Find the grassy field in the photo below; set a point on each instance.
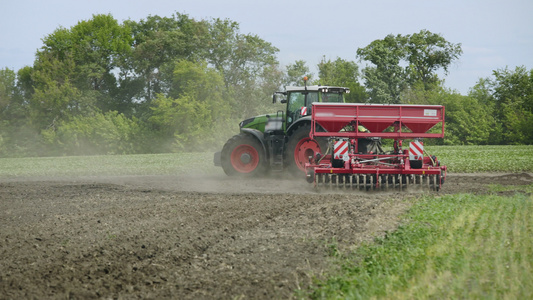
(460, 159)
(471, 159)
(451, 247)
(142, 164)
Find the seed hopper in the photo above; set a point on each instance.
(354, 158)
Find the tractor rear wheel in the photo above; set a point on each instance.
(243, 155)
(300, 147)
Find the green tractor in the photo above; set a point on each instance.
(279, 141)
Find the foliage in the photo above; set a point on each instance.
(342, 73)
(454, 246)
(467, 121)
(108, 133)
(296, 73)
(7, 88)
(401, 61)
(510, 95)
(180, 83)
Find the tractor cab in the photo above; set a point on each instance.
(300, 99)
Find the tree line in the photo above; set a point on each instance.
(167, 84)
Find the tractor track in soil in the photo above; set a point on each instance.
(187, 237)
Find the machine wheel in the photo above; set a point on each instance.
(242, 155)
(300, 147)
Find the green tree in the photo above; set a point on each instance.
(386, 79)
(195, 109)
(510, 93)
(468, 121)
(399, 62)
(96, 49)
(296, 72)
(157, 43)
(342, 73)
(7, 89)
(241, 59)
(238, 56)
(204, 84)
(427, 53)
(55, 97)
(96, 133)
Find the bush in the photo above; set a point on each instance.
(109, 133)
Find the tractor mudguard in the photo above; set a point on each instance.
(259, 136)
(298, 123)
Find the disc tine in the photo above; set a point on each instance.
(399, 181)
(345, 178)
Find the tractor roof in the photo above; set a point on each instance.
(322, 88)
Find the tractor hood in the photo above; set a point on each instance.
(266, 122)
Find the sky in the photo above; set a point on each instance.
(493, 34)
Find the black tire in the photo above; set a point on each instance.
(243, 155)
(300, 139)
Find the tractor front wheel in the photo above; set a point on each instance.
(243, 155)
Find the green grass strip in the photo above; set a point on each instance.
(142, 164)
(449, 247)
(459, 159)
(486, 158)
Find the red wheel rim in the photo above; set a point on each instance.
(244, 158)
(306, 147)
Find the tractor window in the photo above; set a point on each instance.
(332, 97)
(297, 100)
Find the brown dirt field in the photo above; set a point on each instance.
(196, 237)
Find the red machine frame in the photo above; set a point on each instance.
(342, 120)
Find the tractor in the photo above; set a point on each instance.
(279, 141)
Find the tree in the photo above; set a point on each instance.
(7, 89)
(195, 109)
(55, 97)
(158, 42)
(95, 133)
(512, 94)
(426, 53)
(401, 61)
(342, 73)
(95, 48)
(241, 59)
(386, 79)
(296, 72)
(238, 56)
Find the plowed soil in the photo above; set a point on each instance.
(199, 237)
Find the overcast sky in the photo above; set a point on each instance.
(493, 34)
